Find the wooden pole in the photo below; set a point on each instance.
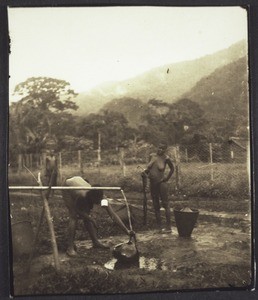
(27, 162)
(60, 166)
(121, 159)
(186, 155)
(45, 211)
(31, 160)
(40, 161)
(19, 163)
(178, 166)
(50, 226)
(42, 188)
(79, 159)
(99, 147)
(232, 154)
(99, 151)
(44, 156)
(145, 206)
(37, 159)
(211, 162)
(80, 165)
(128, 210)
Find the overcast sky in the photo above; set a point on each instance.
(89, 46)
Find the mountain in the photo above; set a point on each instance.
(222, 95)
(168, 82)
(224, 92)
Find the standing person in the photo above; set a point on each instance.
(51, 171)
(155, 171)
(79, 204)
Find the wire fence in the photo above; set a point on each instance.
(206, 160)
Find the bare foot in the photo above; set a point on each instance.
(71, 252)
(166, 230)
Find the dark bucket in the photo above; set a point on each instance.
(126, 252)
(185, 221)
(22, 238)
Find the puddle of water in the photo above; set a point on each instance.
(143, 263)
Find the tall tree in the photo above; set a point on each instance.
(45, 104)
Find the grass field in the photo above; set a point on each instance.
(192, 179)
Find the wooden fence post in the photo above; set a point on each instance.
(121, 159)
(211, 162)
(186, 155)
(60, 166)
(44, 156)
(40, 161)
(79, 159)
(31, 160)
(37, 159)
(27, 162)
(80, 164)
(19, 163)
(99, 151)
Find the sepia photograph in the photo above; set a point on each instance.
(129, 163)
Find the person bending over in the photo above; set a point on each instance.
(79, 204)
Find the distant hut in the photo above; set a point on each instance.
(238, 149)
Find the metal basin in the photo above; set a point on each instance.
(126, 252)
(185, 221)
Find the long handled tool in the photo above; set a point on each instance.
(128, 210)
(144, 185)
(127, 252)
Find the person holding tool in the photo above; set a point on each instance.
(155, 171)
(79, 204)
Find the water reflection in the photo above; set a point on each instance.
(187, 250)
(143, 263)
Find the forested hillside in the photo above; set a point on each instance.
(168, 82)
(223, 95)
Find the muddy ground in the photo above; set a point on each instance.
(217, 256)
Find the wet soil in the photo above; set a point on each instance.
(218, 254)
(214, 257)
